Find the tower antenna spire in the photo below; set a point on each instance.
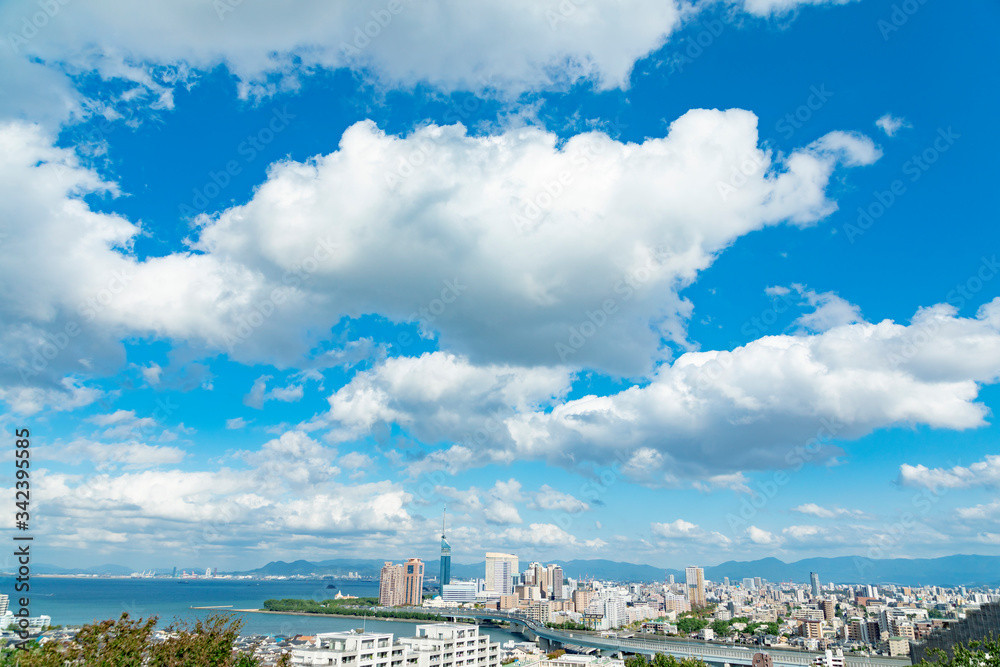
(444, 512)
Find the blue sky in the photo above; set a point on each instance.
(662, 282)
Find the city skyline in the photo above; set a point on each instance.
(665, 281)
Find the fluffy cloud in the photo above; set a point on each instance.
(769, 8)
(772, 403)
(543, 535)
(735, 481)
(288, 492)
(470, 231)
(440, 396)
(296, 458)
(550, 499)
(829, 310)
(802, 532)
(982, 512)
(470, 244)
(761, 536)
(891, 124)
(679, 528)
(128, 455)
(504, 47)
(500, 512)
(813, 509)
(981, 473)
(759, 405)
(685, 531)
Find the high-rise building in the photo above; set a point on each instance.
(500, 571)
(390, 585)
(581, 599)
(694, 578)
(541, 578)
(670, 580)
(413, 582)
(445, 575)
(814, 579)
(557, 582)
(4, 603)
(829, 610)
(459, 591)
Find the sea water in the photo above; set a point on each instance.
(75, 601)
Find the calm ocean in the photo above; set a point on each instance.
(78, 601)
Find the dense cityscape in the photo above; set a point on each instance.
(827, 622)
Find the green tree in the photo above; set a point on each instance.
(721, 628)
(668, 660)
(983, 653)
(128, 643)
(688, 624)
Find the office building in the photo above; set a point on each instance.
(694, 578)
(390, 585)
(500, 571)
(541, 578)
(413, 582)
(459, 592)
(557, 582)
(814, 580)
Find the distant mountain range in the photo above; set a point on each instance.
(959, 570)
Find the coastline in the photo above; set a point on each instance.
(315, 615)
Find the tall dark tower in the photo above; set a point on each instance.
(445, 577)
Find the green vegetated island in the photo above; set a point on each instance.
(346, 607)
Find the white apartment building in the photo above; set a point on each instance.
(451, 645)
(353, 649)
(830, 659)
(436, 645)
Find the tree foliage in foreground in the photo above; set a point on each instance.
(662, 660)
(127, 642)
(982, 653)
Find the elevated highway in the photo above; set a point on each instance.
(710, 652)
